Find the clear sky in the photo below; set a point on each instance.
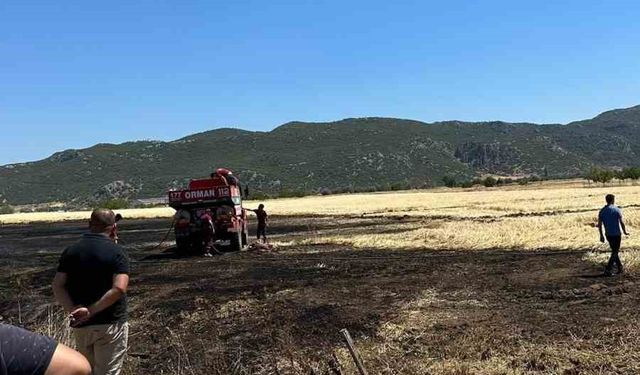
(74, 73)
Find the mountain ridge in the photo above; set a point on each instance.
(344, 155)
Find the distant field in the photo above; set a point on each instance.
(35, 217)
(325, 205)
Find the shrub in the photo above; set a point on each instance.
(6, 209)
(291, 194)
(259, 196)
(466, 184)
(399, 186)
(449, 181)
(632, 173)
(149, 205)
(325, 191)
(489, 182)
(115, 204)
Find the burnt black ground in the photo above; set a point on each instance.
(282, 312)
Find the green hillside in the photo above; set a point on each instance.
(351, 154)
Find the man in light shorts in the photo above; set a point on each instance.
(91, 285)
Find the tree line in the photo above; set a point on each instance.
(603, 175)
(489, 181)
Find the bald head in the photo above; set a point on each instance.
(102, 220)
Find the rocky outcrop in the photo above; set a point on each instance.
(115, 190)
(492, 157)
(67, 155)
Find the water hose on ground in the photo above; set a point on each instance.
(173, 223)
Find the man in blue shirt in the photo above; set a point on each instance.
(611, 217)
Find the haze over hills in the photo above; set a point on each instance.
(349, 154)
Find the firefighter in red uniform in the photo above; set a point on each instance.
(114, 231)
(208, 233)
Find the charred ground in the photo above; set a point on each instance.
(410, 311)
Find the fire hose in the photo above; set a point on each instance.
(173, 223)
(166, 236)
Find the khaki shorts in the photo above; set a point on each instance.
(104, 346)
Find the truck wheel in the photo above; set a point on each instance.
(236, 241)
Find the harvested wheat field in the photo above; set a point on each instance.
(429, 282)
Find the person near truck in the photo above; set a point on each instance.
(610, 217)
(25, 352)
(114, 230)
(208, 233)
(263, 218)
(91, 285)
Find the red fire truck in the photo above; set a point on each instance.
(221, 196)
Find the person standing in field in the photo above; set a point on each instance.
(24, 352)
(262, 216)
(114, 230)
(610, 217)
(91, 285)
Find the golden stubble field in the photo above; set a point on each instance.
(555, 215)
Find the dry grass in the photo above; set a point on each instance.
(553, 217)
(35, 217)
(458, 203)
(551, 197)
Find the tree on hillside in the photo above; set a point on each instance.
(5, 209)
(620, 175)
(606, 176)
(449, 181)
(490, 182)
(600, 175)
(591, 175)
(115, 204)
(632, 173)
(466, 184)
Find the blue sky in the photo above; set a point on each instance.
(75, 73)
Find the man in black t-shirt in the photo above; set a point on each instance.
(23, 352)
(91, 285)
(262, 217)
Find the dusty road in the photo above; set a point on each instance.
(409, 312)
